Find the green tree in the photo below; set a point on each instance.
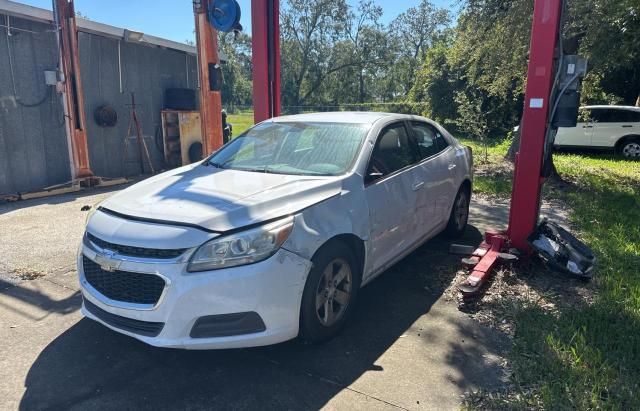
(236, 71)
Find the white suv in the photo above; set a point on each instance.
(604, 127)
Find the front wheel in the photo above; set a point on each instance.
(330, 293)
(459, 214)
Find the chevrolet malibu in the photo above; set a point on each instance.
(273, 235)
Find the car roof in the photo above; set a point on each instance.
(614, 107)
(352, 117)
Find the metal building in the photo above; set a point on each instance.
(34, 150)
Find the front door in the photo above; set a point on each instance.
(580, 135)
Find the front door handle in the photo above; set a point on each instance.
(587, 126)
(417, 186)
(627, 126)
(452, 166)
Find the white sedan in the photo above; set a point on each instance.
(273, 235)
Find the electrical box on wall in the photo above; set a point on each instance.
(50, 77)
(573, 69)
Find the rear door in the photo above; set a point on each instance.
(611, 125)
(391, 190)
(438, 168)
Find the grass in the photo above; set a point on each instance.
(241, 121)
(583, 357)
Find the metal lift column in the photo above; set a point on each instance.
(65, 19)
(265, 27)
(210, 79)
(527, 180)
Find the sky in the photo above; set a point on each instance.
(173, 19)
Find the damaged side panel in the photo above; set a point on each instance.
(337, 215)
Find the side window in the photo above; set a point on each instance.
(608, 116)
(391, 153)
(585, 116)
(430, 140)
(633, 116)
(617, 116)
(442, 142)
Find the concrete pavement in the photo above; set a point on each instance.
(406, 347)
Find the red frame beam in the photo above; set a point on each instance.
(527, 181)
(265, 30)
(210, 100)
(65, 17)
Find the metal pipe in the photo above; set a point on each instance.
(186, 64)
(120, 66)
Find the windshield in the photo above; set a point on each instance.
(301, 148)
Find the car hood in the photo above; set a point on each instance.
(220, 200)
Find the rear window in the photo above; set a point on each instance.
(615, 115)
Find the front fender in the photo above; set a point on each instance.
(346, 213)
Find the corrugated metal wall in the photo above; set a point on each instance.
(146, 71)
(33, 143)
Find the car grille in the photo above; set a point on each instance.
(136, 251)
(123, 286)
(149, 329)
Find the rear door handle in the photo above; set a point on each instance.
(627, 126)
(587, 126)
(452, 166)
(417, 186)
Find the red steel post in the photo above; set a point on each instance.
(208, 60)
(527, 181)
(65, 17)
(265, 27)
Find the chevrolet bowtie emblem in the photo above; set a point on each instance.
(106, 262)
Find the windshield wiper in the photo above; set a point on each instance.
(222, 165)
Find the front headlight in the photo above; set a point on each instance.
(245, 247)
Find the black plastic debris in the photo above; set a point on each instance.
(562, 251)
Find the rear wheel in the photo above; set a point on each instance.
(459, 213)
(630, 149)
(330, 292)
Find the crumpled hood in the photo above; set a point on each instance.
(221, 200)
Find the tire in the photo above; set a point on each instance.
(195, 152)
(630, 148)
(180, 99)
(459, 214)
(333, 258)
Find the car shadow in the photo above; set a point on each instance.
(90, 367)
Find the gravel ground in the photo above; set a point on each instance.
(39, 237)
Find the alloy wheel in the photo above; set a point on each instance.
(333, 292)
(631, 150)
